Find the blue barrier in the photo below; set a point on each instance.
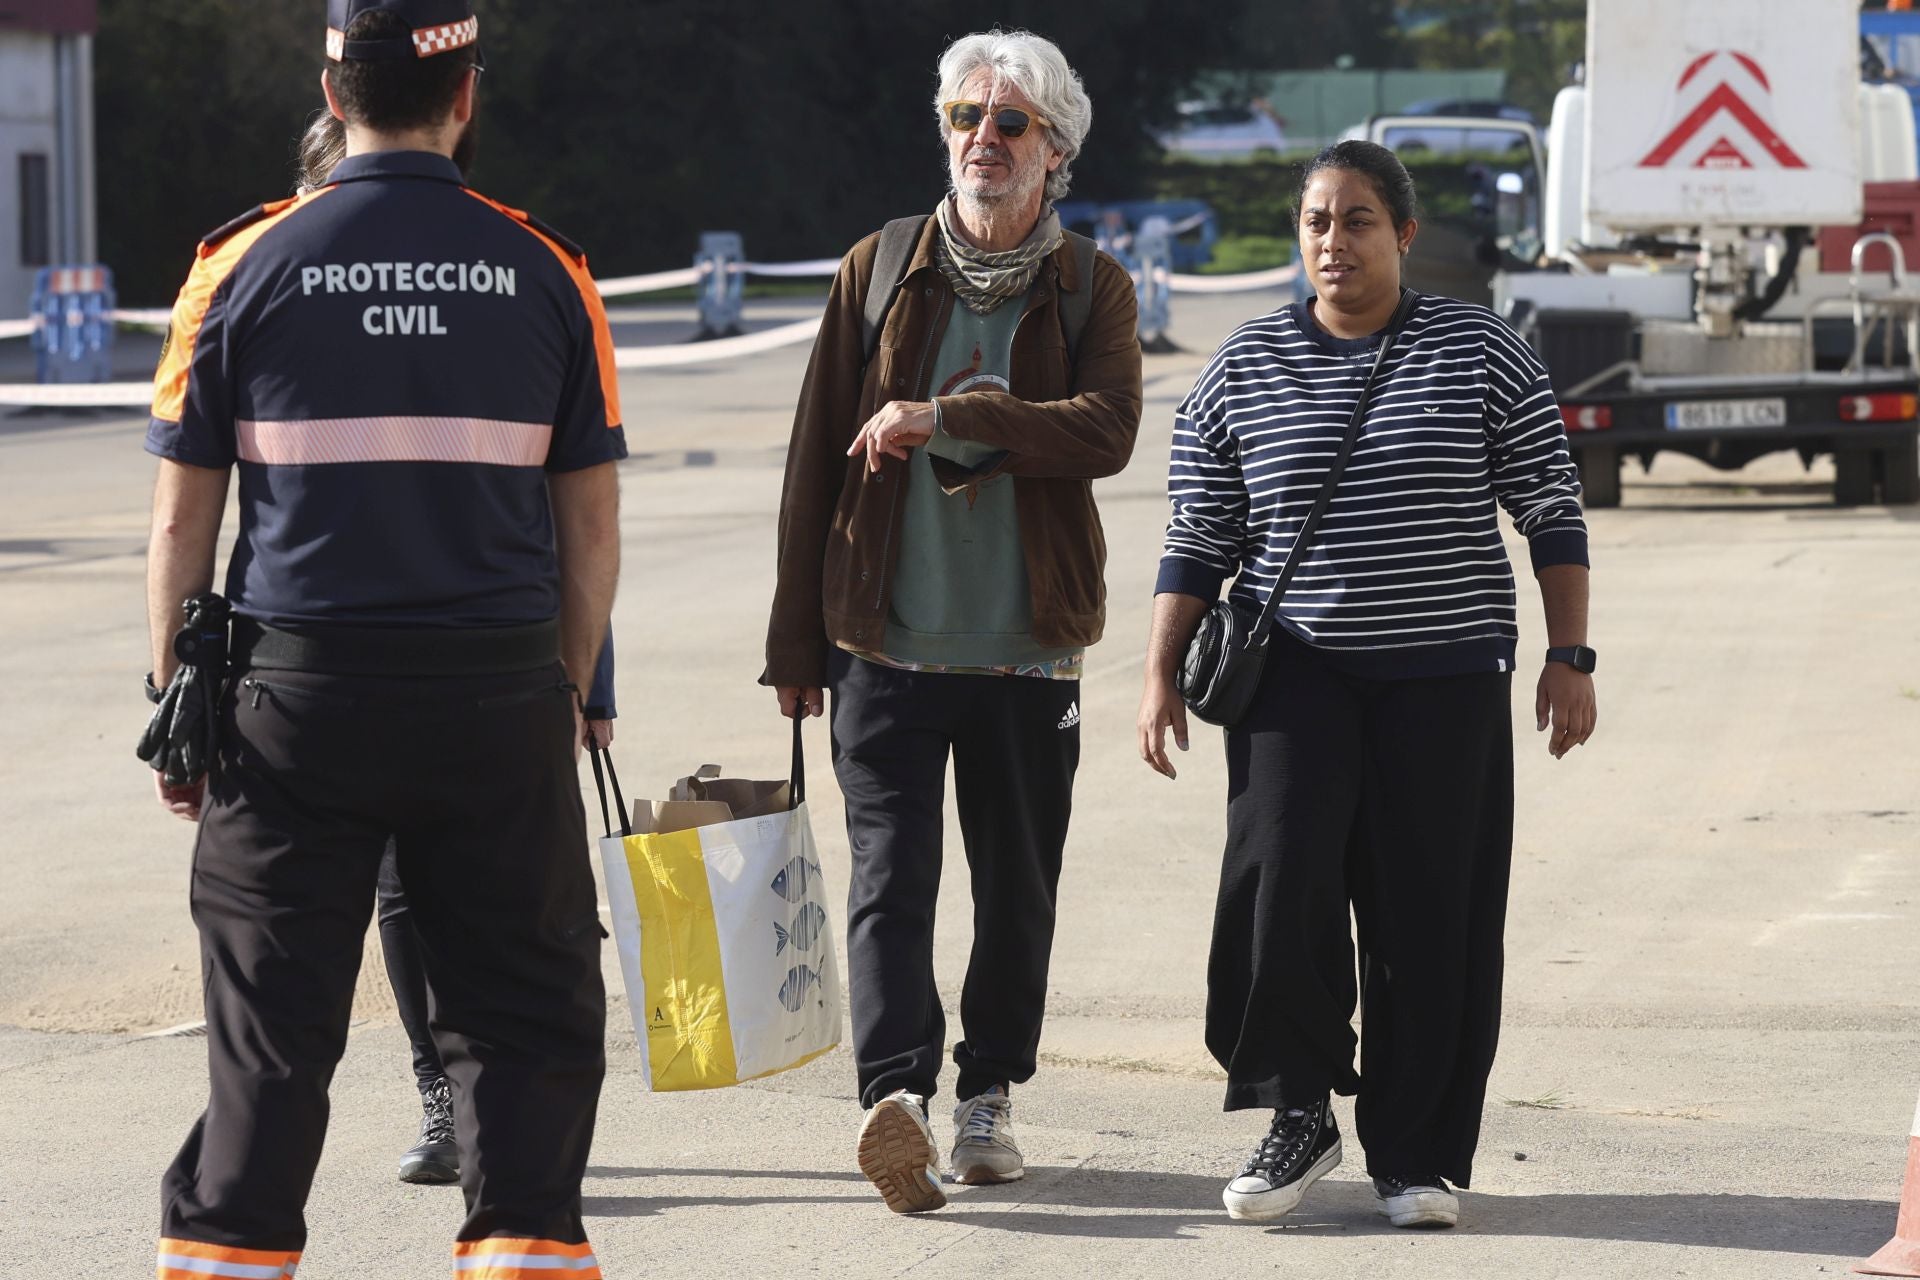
(1193, 224)
(1151, 265)
(73, 341)
(720, 260)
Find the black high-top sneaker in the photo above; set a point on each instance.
(1422, 1201)
(435, 1158)
(1302, 1147)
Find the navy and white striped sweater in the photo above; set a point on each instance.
(1407, 575)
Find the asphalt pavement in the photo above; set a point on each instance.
(1712, 1038)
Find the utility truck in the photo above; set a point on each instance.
(1709, 251)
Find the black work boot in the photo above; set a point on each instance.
(435, 1158)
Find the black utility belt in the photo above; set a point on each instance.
(395, 651)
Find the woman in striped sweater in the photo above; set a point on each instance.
(1375, 767)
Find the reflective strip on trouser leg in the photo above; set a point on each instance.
(192, 1260)
(521, 1258)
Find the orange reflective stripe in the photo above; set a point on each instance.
(589, 294)
(211, 265)
(523, 1258)
(196, 1260)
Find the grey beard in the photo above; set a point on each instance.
(1015, 196)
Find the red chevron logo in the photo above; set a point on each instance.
(1712, 110)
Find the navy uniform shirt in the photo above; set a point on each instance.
(393, 363)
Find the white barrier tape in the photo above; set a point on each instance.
(1243, 283)
(154, 318)
(815, 267)
(648, 283)
(79, 395)
(127, 395)
(746, 344)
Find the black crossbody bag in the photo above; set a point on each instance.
(1228, 653)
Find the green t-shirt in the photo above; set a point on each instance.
(961, 596)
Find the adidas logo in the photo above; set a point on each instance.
(1070, 719)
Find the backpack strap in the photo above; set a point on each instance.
(1075, 307)
(897, 240)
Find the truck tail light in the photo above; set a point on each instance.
(1590, 417)
(1887, 406)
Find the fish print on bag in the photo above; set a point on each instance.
(802, 932)
(793, 880)
(793, 992)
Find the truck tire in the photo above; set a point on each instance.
(1900, 474)
(1599, 475)
(1852, 477)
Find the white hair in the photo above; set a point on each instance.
(1035, 66)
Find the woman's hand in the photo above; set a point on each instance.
(898, 427)
(1160, 710)
(1175, 618)
(1565, 700)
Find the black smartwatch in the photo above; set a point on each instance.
(1577, 656)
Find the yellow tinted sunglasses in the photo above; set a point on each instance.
(1010, 122)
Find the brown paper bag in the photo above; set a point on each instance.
(748, 798)
(704, 798)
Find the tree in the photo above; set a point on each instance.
(1536, 42)
(635, 126)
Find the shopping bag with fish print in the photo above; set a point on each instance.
(719, 915)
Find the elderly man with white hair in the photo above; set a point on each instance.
(940, 569)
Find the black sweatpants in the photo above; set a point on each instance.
(1394, 796)
(406, 970)
(1015, 743)
(474, 779)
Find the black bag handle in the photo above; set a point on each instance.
(1295, 554)
(797, 789)
(600, 784)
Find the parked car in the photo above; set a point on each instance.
(1450, 140)
(1219, 131)
(1484, 107)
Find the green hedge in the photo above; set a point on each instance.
(1253, 199)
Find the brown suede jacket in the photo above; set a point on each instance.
(1061, 427)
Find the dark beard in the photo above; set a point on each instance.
(469, 143)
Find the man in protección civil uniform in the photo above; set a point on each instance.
(415, 386)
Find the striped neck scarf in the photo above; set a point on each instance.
(985, 280)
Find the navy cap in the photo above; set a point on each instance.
(436, 26)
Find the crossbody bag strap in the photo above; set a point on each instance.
(1264, 627)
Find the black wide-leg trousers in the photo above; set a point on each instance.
(1392, 798)
(1015, 744)
(473, 779)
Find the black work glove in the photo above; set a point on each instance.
(179, 739)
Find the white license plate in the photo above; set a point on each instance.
(1713, 415)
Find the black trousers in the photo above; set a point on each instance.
(1015, 743)
(1394, 797)
(406, 968)
(473, 778)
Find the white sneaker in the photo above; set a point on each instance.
(1417, 1202)
(984, 1151)
(897, 1154)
